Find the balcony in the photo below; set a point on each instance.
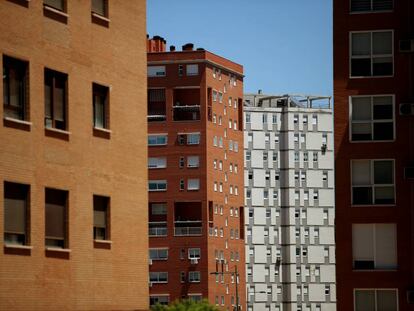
(186, 112)
(157, 229)
(156, 105)
(188, 228)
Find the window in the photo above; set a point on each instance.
(56, 4)
(195, 297)
(374, 246)
(372, 118)
(157, 185)
(220, 95)
(158, 208)
(296, 138)
(372, 182)
(236, 146)
(192, 70)
(274, 118)
(56, 218)
(181, 162)
(314, 119)
(182, 184)
(296, 154)
(305, 120)
(16, 212)
(158, 253)
(306, 156)
(236, 168)
(55, 99)
(215, 186)
(194, 276)
(101, 217)
(157, 140)
(158, 277)
(15, 82)
(371, 5)
(315, 157)
(295, 119)
(376, 299)
(193, 161)
(248, 118)
(100, 7)
(264, 118)
(100, 106)
(371, 53)
(194, 253)
(157, 162)
(193, 139)
(193, 184)
(156, 71)
(162, 300)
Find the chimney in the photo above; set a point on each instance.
(172, 48)
(156, 44)
(188, 47)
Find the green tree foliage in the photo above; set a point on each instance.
(186, 305)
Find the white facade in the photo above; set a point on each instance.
(289, 204)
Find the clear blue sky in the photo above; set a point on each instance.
(285, 46)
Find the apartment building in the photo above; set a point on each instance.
(195, 149)
(289, 203)
(73, 196)
(373, 88)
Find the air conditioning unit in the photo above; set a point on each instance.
(406, 46)
(406, 109)
(150, 262)
(409, 172)
(410, 296)
(194, 261)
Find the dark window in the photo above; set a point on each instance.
(371, 5)
(100, 217)
(364, 265)
(100, 7)
(100, 106)
(15, 82)
(56, 4)
(16, 202)
(56, 218)
(55, 99)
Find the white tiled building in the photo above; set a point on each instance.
(289, 202)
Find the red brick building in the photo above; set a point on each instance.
(373, 89)
(196, 198)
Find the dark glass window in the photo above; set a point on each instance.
(16, 202)
(100, 7)
(100, 106)
(15, 83)
(55, 99)
(56, 218)
(100, 217)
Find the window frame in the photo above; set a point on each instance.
(371, 11)
(22, 67)
(158, 166)
(372, 178)
(375, 291)
(103, 92)
(194, 273)
(106, 9)
(107, 218)
(158, 249)
(157, 182)
(65, 244)
(157, 75)
(158, 144)
(372, 122)
(55, 75)
(64, 5)
(158, 277)
(350, 57)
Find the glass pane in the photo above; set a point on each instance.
(382, 5)
(386, 300)
(361, 44)
(15, 198)
(360, 5)
(385, 246)
(14, 88)
(59, 100)
(361, 172)
(383, 131)
(365, 300)
(382, 66)
(361, 131)
(99, 110)
(384, 195)
(361, 108)
(361, 67)
(382, 43)
(361, 195)
(99, 7)
(57, 4)
(383, 172)
(55, 220)
(383, 108)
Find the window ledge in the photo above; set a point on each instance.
(17, 124)
(17, 246)
(103, 241)
(58, 250)
(102, 129)
(55, 11)
(52, 129)
(100, 17)
(18, 121)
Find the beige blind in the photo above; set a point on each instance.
(57, 4)
(386, 246)
(15, 215)
(363, 241)
(55, 218)
(99, 218)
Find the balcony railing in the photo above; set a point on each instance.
(188, 228)
(186, 113)
(157, 229)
